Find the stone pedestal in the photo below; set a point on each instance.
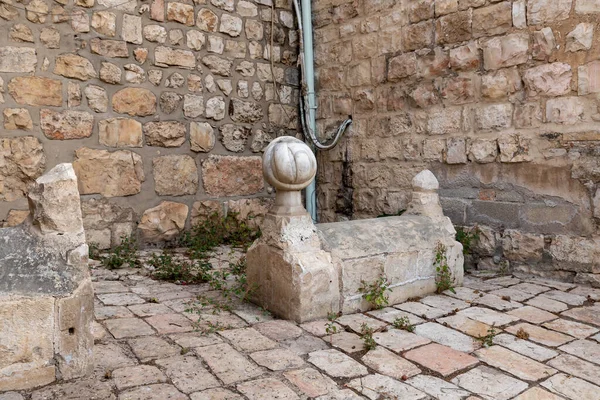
(301, 271)
(46, 297)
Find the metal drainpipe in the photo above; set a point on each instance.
(309, 71)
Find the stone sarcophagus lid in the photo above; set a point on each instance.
(46, 297)
(302, 271)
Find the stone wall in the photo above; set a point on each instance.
(498, 98)
(163, 107)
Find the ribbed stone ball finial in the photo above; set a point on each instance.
(289, 164)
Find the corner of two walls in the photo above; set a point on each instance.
(498, 98)
(163, 107)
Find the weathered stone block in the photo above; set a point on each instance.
(109, 48)
(67, 124)
(587, 7)
(492, 20)
(453, 28)
(232, 176)
(119, 173)
(23, 161)
(506, 51)
(17, 59)
(543, 43)
(134, 101)
(547, 11)
(36, 91)
(483, 150)
(456, 151)
(120, 132)
(465, 57)
(179, 12)
(588, 78)
(175, 175)
(163, 222)
(202, 137)
(443, 121)
(235, 137)
(565, 110)
(501, 83)
(17, 118)
(493, 117)
(514, 148)
(166, 56)
(548, 79)
(131, 30)
(402, 66)
(580, 38)
(165, 133)
(418, 36)
(74, 66)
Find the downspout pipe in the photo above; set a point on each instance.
(311, 112)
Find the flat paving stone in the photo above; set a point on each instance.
(120, 299)
(319, 327)
(347, 341)
(576, 367)
(467, 325)
(356, 321)
(571, 328)
(441, 359)
(128, 327)
(252, 314)
(170, 323)
(390, 314)
(106, 312)
(11, 396)
(572, 388)
(375, 385)
(268, 388)
(590, 315)
(173, 295)
(446, 336)
(480, 285)
(421, 310)
(128, 377)
(445, 303)
(438, 388)
(279, 330)
(585, 349)
(150, 348)
(208, 321)
(149, 309)
(497, 303)
(586, 291)
(310, 381)
(537, 393)
(564, 297)
(541, 335)
(110, 356)
(305, 344)
(248, 340)
(487, 316)
(546, 303)
(77, 390)
(195, 339)
(532, 314)
(464, 293)
(504, 281)
(525, 347)
(490, 383)
(398, 340)
(188, 374)
(512, 294)
(153, 392)
(553, 284)
(514, 363)
(104, 287)
(530, 288)
(387, 363)
(345, 394)
(144, 289)
(277, 359)
(336, 364)
(229, 365)
(216, 394)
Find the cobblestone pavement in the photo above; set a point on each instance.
(147, 347)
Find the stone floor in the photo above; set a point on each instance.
(147, 347)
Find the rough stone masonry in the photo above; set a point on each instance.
(161, 106)
(498, 98)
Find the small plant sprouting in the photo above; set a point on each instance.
(331, 327)
(375, 293)
(522, 334)
(443, 278)
(488, 340)
(124, 253)
(367, 336)
(404, 324)
(467, 237)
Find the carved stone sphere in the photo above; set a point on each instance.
(289, 164)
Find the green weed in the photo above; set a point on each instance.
(467, 237)
(488, 340)
(367, 336)
(375, 292)
(443, 278)
(404, 324)
(124, 253)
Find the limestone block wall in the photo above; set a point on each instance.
(163, 107)
(498, 98)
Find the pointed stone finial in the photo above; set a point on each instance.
(289, 165)
(425, 200)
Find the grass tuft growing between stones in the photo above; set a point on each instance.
(375, 292)
(123, 254)
(468, 237)
(443, 278)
